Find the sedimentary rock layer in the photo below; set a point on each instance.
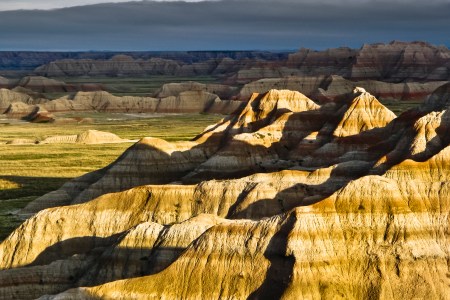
(334, 87)
(396, 62)
(19, 105)
(287, 199)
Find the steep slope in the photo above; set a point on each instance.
(339, 201)
(374, 238)
(334, 88)
(156, 161)
(393, 62)
(45, 85)
(36, 85)
(363, 241)
(399, 61)
(184, 102)
(7, 97)
(271, 133)
(364, 113)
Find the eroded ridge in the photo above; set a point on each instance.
(287, 199)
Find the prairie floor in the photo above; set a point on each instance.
(132, 86)
(399, 107)
(29, 171)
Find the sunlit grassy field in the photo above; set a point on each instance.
(133, 86)
(29, 171)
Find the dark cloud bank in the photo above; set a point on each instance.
(214, 25)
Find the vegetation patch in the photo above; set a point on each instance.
(30, 171)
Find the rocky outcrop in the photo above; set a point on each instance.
(334, 87)
(120, 65)
(307, 85)
(39, 97)
(7, 97)
(192, 102)
(87, 137)
(21, 141)
(347, 251)
(365, 112)
(393, 62)
(28, 60)
(19, 110)
(253, 141)
(6, 83)
(125, 65)
(98, 137)
(399, 61)
(342, 200)
(45, 85)
(175, 89)
(35, 86)
(335, 61)
(184, 102)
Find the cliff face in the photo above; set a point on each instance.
(399, 61)
(36, 85)
(7, 97)
(183, 102)
(393, 62)
(334, 87)
(287, 199)
(28, 60)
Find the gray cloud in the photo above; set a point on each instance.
(6, 5)
(229, 24)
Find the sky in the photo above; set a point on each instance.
(218, 25)
(6, 5)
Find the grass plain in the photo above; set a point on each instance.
(29, 171)
(130, 86)
(399, 107)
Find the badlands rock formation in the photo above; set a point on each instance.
(397, 71)
(45, 85)
(124, 65)
(393, 62)
(19, 105)
(40, 84)
(186, 101)
(87, 137)
(188, 97)
(287, 199)
(334, 87)
(400, 61)
(7, 97)
(174, 89)
(27, 60)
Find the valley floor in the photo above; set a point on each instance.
(29, 171)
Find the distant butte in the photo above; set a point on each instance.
(393, 62)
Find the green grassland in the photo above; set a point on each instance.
(399, 107)
(130, 86)
(29, 171)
